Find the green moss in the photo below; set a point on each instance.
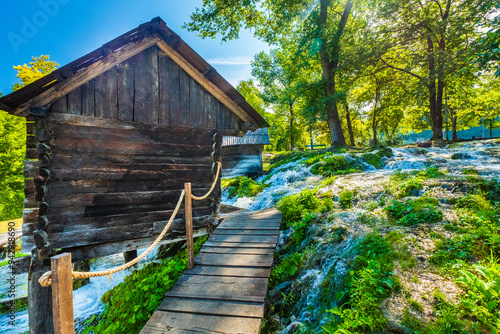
(470, 171)
(460, 156)
(373, 159)
(242, 186)
(411, 322)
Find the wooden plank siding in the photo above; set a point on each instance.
(148, 88)
(115, 181)
(122, 147)
(242, 160)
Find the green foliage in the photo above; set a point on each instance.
(385, 152)
(422, 210)
(373, 159)
(37, 68)
(294, 208)
(328, 181)
(460, 156)
(479, 235)
(482, 298)
(336, 164)
(470, 171)
(243, 186)
(286, 270)
(12, 153)
(130, 304)
(369, 283)
(346, 198)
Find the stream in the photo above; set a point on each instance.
(332, 258)
(289, 179)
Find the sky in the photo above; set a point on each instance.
(69, 29)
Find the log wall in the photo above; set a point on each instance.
(106, 165)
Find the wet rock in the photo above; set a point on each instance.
(461, 156)
(425, 144)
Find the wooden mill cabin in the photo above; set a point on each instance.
(242, 156)
(112, 138)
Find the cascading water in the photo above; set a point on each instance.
(330, 258)
(333, 258)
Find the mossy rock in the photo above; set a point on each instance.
(385, 152)
(461, 156)
(373, 159)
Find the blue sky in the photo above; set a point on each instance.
(69, 29)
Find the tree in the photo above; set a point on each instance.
(279, 78)
(429, 41)
(37, 68)
(319, 31)
(488, 44)
(13, 143)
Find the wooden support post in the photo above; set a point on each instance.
(62, 294)
(130, 255)
(189, 224)
(39, 302)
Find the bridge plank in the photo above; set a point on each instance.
(229, 271)
(183, 323)
(213, 307)
(270, 239)
(238, 250)
(226, 290)
(249, 260)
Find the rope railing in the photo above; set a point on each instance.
(46, 279)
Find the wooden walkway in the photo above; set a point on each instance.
(226, 290)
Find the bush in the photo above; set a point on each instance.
(346, 198)
(295, 207)
(286, 270)
(330, 165)
(385, 152)
(412, 212)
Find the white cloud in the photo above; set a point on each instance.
(230, 61)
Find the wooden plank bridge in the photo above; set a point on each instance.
(226, 290)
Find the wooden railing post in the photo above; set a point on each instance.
(188, 210)
(62, 294)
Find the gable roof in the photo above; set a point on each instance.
(29, 99)
(259, 136)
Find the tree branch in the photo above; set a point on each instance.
(400, 69)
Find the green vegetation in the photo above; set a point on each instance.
(373, 159)
(346, 198)
(422, 210)
(460, 156)
(297, 207)
(242, 186)
(130, 304)
(470, 171)
(370, 281)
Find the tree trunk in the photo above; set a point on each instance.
(292, 141)
(349, 124)
(454, 135)
(491, 128)
(312, 139)
(329, 66)
(435, 95)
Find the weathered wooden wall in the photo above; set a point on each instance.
(148, 88)
(242, 160)
(106, 167)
